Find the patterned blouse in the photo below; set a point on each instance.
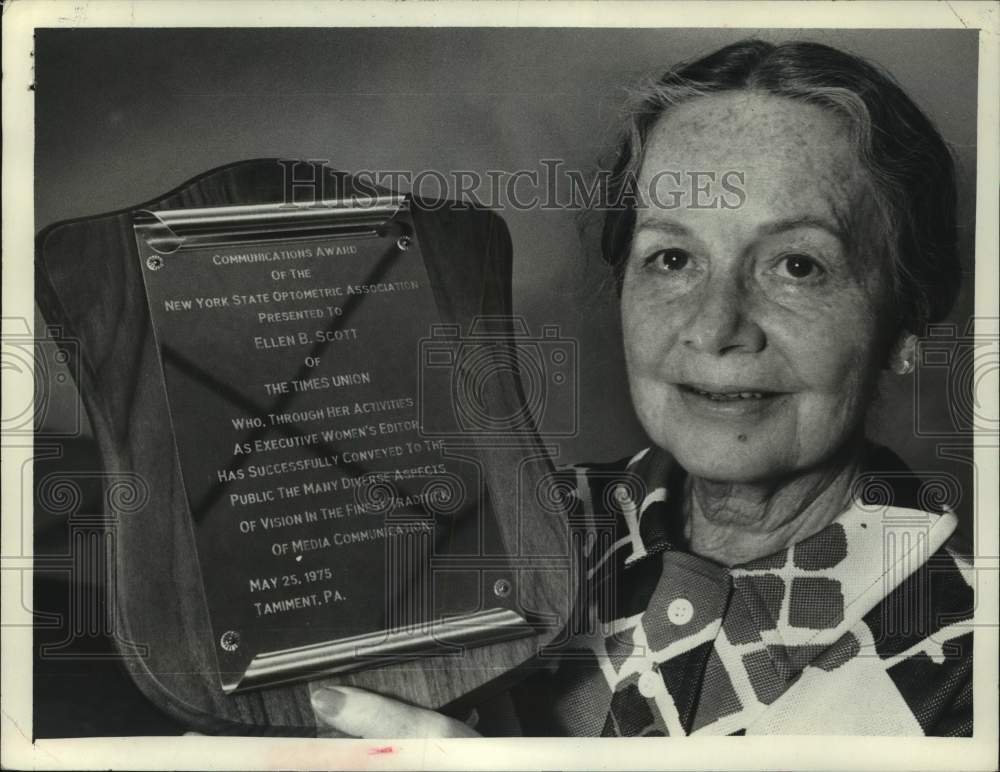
(863, 628)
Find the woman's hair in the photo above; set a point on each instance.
(909, 166)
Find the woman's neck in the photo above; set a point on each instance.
(734, 523)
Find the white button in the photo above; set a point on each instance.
(680, 611)
(649, 684)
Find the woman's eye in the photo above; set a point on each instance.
(668, 259)
(799, 266)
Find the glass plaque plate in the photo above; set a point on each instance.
(333, 533)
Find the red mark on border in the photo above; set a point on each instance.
(383, 749)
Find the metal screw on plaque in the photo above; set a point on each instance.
(230, 640)
(403, 243)
(501, 588)
(154, 262)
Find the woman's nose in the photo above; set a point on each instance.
(721, 322)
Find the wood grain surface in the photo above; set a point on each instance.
(88, 283)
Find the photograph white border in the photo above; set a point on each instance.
(22, 17)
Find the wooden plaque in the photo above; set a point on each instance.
(182, 650)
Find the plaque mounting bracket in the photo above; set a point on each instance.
(441, 638)
(169, 231)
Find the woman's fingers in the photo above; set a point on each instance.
(360, 713)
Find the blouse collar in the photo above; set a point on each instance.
(887, 533)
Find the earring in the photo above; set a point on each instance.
(903, 355)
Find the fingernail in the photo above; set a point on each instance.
(328, 700)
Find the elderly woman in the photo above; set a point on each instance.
(750, 585)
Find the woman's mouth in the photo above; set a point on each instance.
(730, 400)
(722, 396)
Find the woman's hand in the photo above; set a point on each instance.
(359, 713)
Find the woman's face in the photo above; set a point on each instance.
(751, 324)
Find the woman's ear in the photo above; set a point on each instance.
(903, 355)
